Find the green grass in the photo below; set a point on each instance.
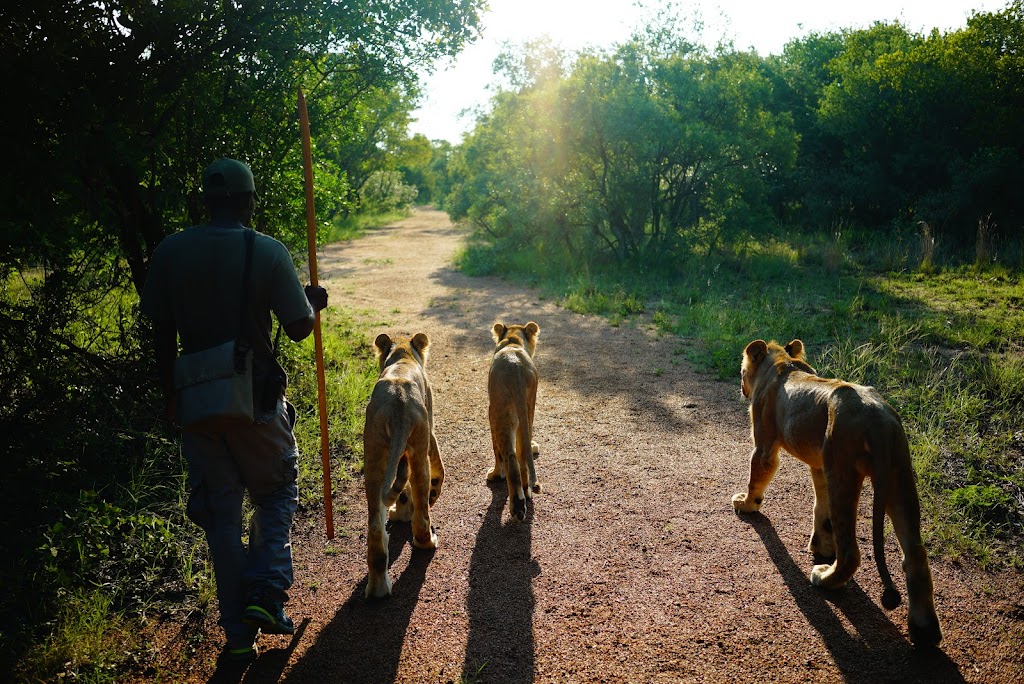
(945, 347)
(349, 373)
(357, 224)
(86, 643)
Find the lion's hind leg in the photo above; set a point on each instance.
(844, 492)
(436, 471)
(378, 583)
(423, 537)
(525, 439)
(506, 445)
(398, 501)
(527, 468)
(517, 493)
(822, 541)
(498, 471)
(922, 620)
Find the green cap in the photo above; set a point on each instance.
(227, 177)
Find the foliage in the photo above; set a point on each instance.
(656, 148)
(104, 156)
(87, 643)
(384, 191)
(900, 127)
(356, 224)
(642, 153)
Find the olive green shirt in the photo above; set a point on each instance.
(195, 285)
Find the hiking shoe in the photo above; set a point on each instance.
(242, 655)
(269, 617)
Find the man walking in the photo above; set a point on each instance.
(193, 294)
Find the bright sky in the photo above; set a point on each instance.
(766, 26)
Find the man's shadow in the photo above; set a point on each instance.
(878, 651)
(500, 602)
(267, 668)
(363, 642)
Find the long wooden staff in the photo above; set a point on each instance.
(321, 384)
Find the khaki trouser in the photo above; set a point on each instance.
(223, 464)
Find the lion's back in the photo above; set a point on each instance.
(511, 367)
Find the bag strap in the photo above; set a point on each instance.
(241, 346)
(250, 238)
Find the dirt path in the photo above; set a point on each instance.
(633, 566)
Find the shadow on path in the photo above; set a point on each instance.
(877, 651)
(582, 354)
(500, 602)
(267, 668)
(363, 642)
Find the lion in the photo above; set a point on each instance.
(844, 433)
(512, 395)
(402, 465)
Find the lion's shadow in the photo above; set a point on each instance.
(366, 636)
(877, 651)
(500, 604)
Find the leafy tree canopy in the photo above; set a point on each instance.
(121, 104)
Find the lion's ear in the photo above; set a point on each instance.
(383, 343)
(795, 349)
(420, 342)
(756, 350)
(498, 332)
(382, 346)
(532, 328)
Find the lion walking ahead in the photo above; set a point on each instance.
(844, 432)
(401, 463)
(512, 394)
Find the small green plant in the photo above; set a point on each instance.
(927, 249)
(986, 503)
(86, 643)
(473, 676)
(476, 259)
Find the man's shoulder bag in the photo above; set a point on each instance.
(214, 386)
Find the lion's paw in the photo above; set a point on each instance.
(378, 587)
(925, 635)
(742, 504)
(430, 543)
(824, 576)
(536, 488)
(518, 506)
(495, 474)
(535, 449)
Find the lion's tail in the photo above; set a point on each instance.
(524, 427)
(882, 465)
(393, 484)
